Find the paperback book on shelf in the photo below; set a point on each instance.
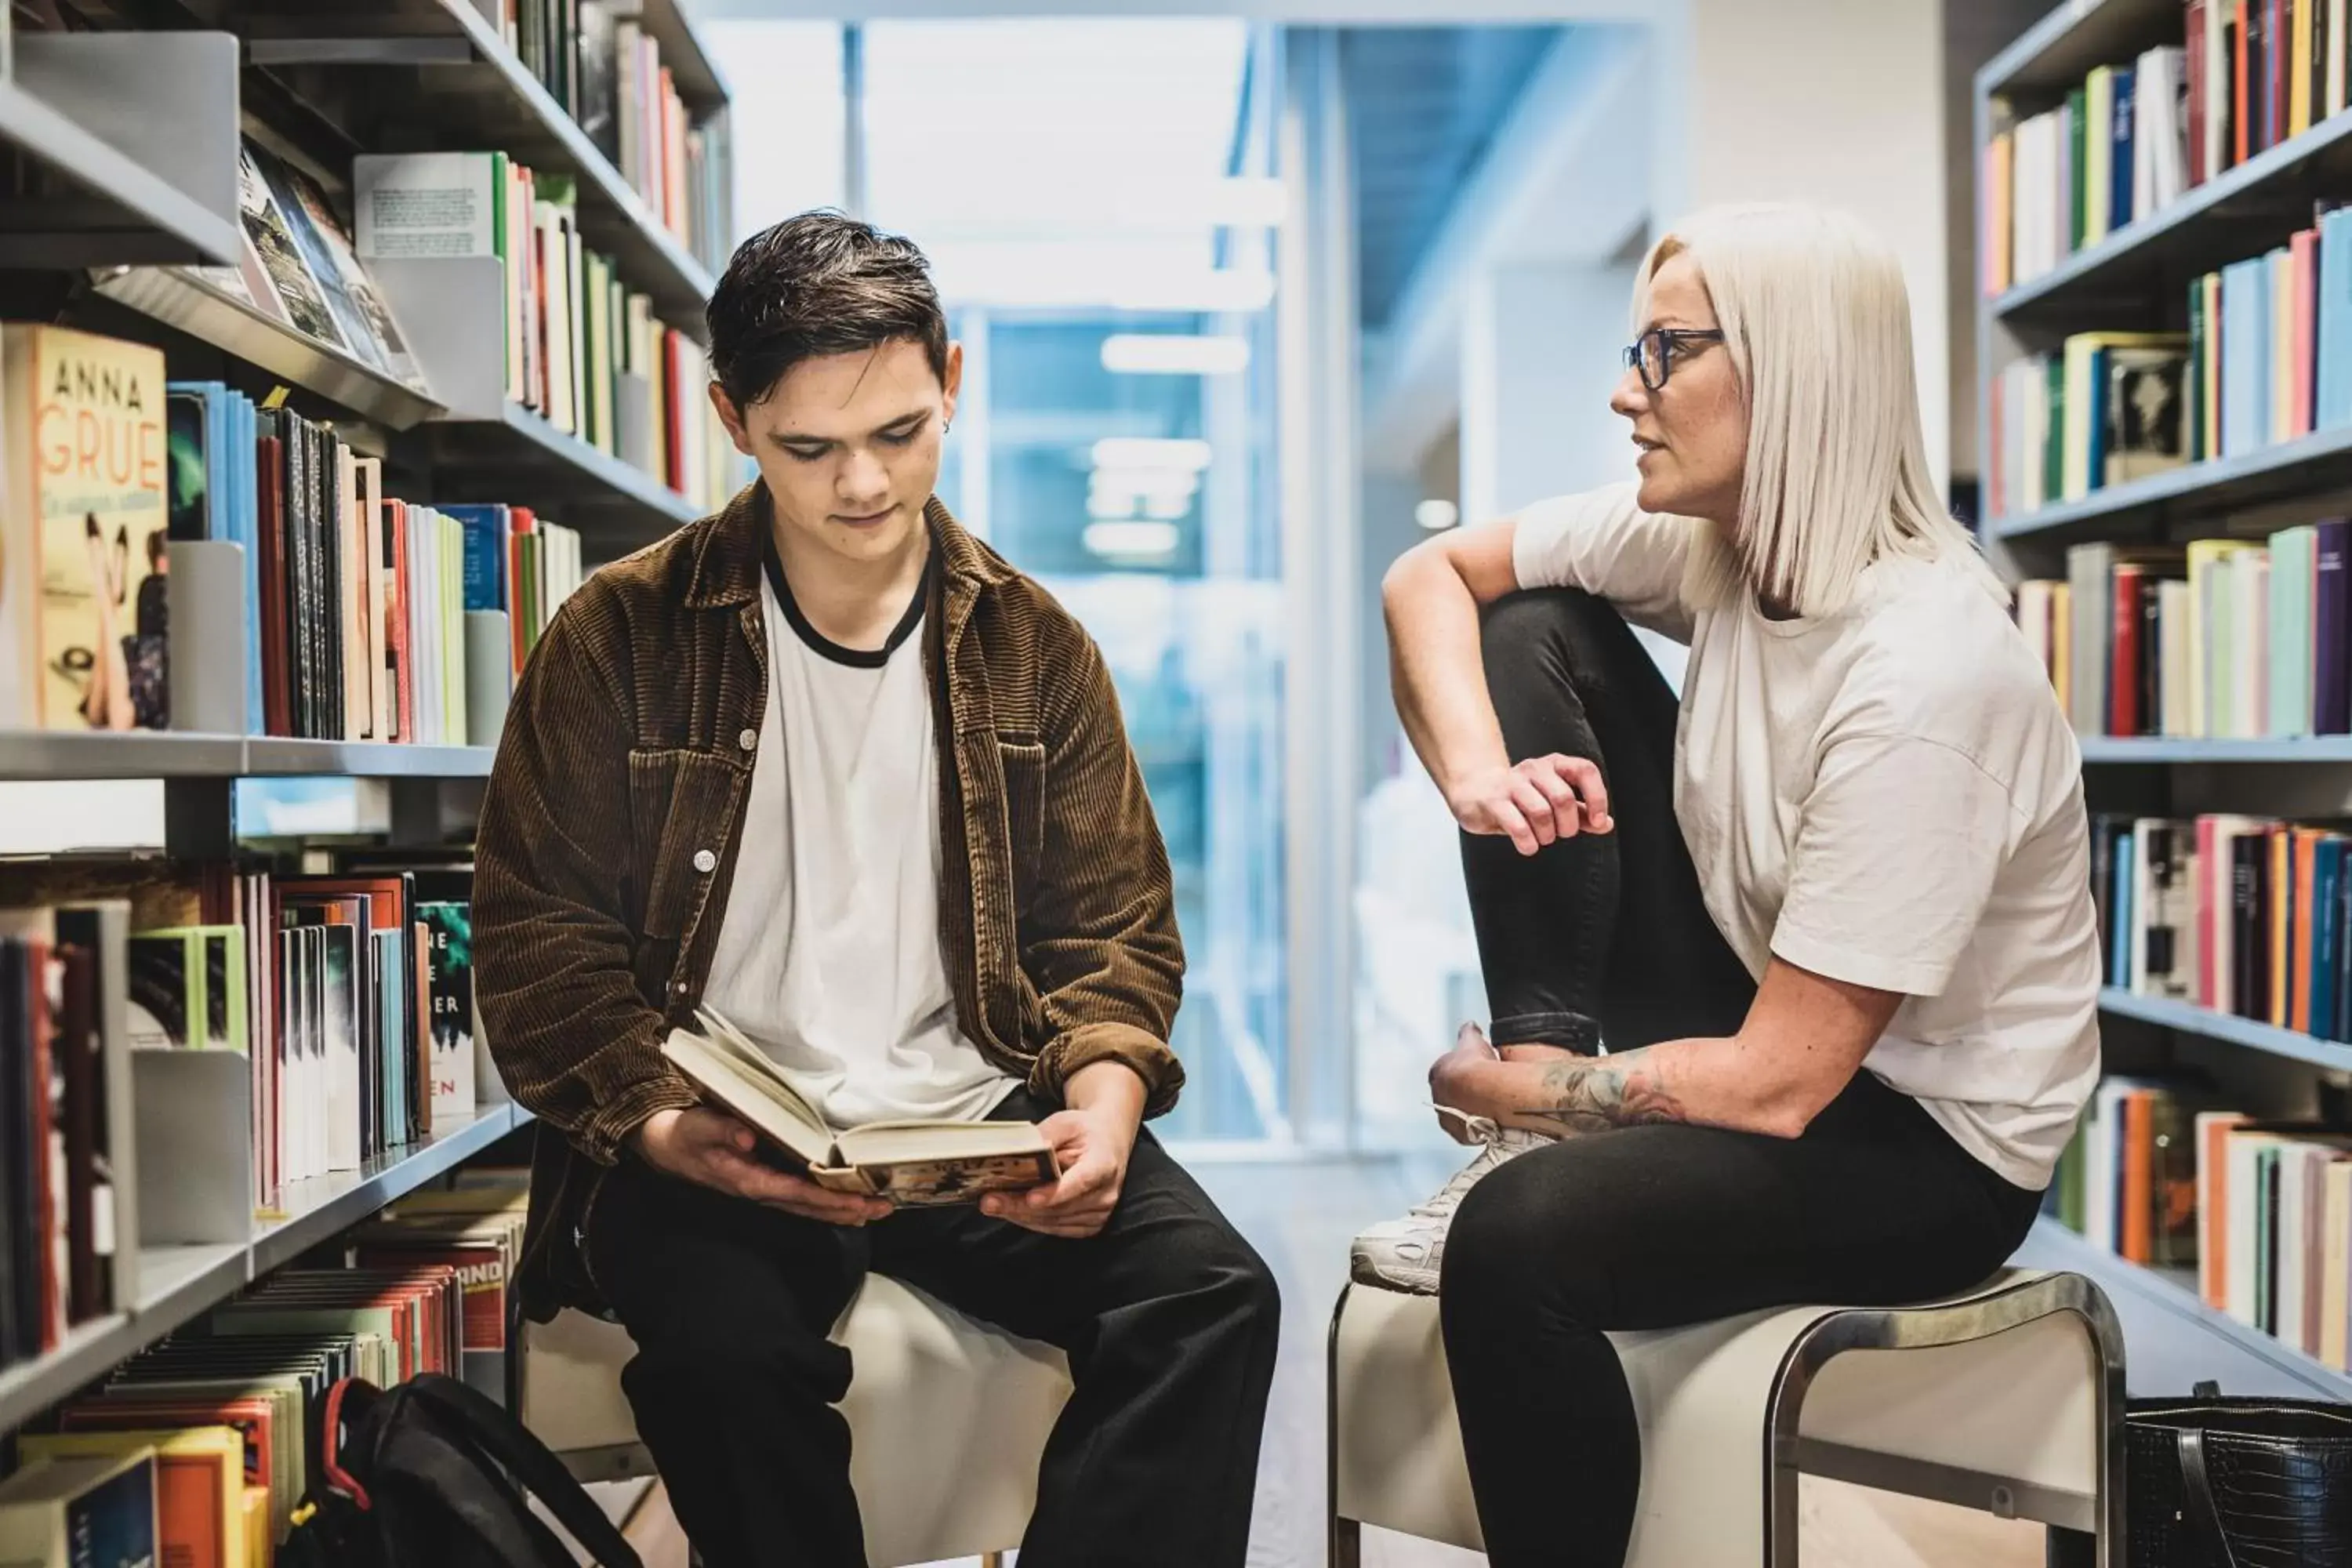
(83, 532)
(910, 1161)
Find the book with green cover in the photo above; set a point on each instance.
(2078, 168)
(2053, 451)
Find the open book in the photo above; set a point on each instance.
(906, 1161)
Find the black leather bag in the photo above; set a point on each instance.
(2238, 1483)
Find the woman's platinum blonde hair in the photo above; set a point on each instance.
(1818, 325)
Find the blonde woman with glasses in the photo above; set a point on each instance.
(1828, 918)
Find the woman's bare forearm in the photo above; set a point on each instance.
(1436, 668)
(1708, 1081)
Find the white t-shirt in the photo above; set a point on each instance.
(828, 955)
(1889, 796)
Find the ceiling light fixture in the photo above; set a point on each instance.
(1171, 353)
(1135, 540)
(1148, 452)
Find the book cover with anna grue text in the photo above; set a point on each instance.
(87, 516)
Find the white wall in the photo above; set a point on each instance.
(1538, 362)
(1836, 101)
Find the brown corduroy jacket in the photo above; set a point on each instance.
(614, 811)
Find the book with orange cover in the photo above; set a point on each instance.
(2306, 853)
(2139, 1167)
(199, 1486)
(274, 1467)
(2213, 1205)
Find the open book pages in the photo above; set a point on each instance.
(906, 1161)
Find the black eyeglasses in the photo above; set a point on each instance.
(1654, 352)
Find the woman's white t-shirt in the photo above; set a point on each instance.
(1889, 796)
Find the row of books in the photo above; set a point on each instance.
(583, 349)
(601, 66)
(2058, 182)
(60, 1075)
(350, 997)
(2132, 138)
(2227, 638)
(353, 608)
(2267, 358)
(2247, 916)
(200, 1449)
(2105, 409)
(2163, 1174)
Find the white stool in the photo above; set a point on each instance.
(947, 1418)
(2008, 1399)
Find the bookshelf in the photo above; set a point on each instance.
(178, 1282)
(64, 754)
(130, 145)
(128, 209)
(2191, 1019)
(2215, 223)
(2138, 279)
(475, 91)
(2170, 1296)
(2065, 45)
(616, 504)
(179, 299)
(2163, 751)
(2200, 491)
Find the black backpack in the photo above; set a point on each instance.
(433, 1474)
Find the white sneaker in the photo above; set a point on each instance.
(1406, 1254)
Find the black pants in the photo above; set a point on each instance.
(1660, 1225)
(1169, 1319)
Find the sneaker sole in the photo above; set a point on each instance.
(1364, 1271)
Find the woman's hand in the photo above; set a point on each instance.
(1454, 1082)
(1534, 802)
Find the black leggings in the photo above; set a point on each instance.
(1652, 1226)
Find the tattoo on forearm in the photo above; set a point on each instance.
(1623, 1090)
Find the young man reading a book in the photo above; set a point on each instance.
(825, 768)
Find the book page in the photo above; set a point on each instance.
(737, 1046)
(894, 1142)
(783, 1116)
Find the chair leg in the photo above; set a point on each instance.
(991, 1560)
(1347, 1542)
(2070, 1548)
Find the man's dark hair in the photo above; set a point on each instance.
(818, 284)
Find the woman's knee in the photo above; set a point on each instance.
(1536, 625)
(1527, 1233)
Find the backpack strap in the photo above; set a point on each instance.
(332, 1435)
(527, 1459)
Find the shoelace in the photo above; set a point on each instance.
(1447, 1198)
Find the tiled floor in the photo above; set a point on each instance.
(1300, 1217)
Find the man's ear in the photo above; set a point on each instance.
(732, 417)
(951, 384)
